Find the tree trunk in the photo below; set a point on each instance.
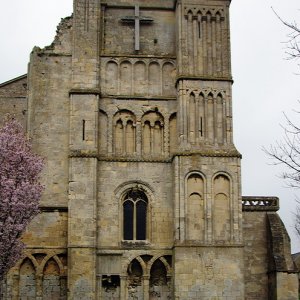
(2, 289)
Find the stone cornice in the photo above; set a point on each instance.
(111, 55)
(139, 158)
(204, 78)
(85, 154)
(210, 153)
(135, 97)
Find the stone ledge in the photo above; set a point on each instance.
(39, 249)
(140, 158)
(113, 55)
(135, 97)
(85, 91)
(54, 209)
(203, 78)
(210, 153)
(216, 244)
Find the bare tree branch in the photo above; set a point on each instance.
(287, 153)
(293, 42)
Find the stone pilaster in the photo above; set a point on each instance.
(83, 141)
(82, 228)
(85, 57)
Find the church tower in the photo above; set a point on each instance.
(154, 204)
(131, 106)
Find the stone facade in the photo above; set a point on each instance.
(131, 106)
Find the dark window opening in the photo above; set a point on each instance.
(128, 220)
(201, 126)
(141, 217)
(135, 215)
(83, 130)
(110, 282)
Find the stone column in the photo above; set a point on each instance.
(39, 287)
(15, 281)
(123, 287)
(146, 284)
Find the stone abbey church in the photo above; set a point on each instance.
(131, 106)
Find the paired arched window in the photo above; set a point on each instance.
(135, 207)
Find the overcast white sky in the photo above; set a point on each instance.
(265, 82)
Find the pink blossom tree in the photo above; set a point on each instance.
(20, 191)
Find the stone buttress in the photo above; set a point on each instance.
(207, 193)
(84, 101)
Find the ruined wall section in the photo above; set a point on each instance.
(42, 273)
(62, 43)
(283, 274)
(49, 85)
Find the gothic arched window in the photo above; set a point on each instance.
(135, 206)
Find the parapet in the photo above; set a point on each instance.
(259, 203)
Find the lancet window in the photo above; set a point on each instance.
(135, 209)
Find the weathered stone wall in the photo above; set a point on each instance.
(40, 274)
(208, 273)
(287, 286)
(50, 82)
(157, 37)
(13, 100)
(296, 259)
(221, 186)
(49, 228)
(256, 256)
(128, 175)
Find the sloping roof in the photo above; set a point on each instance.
(13, 80)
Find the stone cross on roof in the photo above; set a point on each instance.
(137, 20)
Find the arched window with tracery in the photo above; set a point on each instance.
(135, 209)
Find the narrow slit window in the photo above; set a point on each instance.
(83, 130)
(199, 30)
(201, 126)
